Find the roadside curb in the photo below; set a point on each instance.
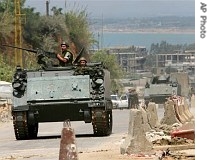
(175, 147)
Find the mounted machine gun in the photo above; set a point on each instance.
(41, 54)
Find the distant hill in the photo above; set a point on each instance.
(150, 23)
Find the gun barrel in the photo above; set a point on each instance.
(78, 56)
(29, 50)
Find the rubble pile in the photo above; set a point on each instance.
(5, 112)
(162, 135)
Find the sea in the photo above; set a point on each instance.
(118, 39)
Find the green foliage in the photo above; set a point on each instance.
(39, 30)
(56, 11)
(78, 28)
(31, 28)
(110, 62)
(165, 47)
(6, 25)
(47, 31)
(6, 71)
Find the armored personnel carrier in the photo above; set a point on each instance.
(55, 94)
(161, 87)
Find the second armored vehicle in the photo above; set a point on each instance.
(160, 87)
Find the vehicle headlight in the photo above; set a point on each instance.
(17, 76)
(16, 85)
(100, 72)
(99, 81)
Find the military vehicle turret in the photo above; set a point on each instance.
(161, 87)
(55, 94)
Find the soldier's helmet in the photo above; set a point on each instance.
(82, 59)
(64, 43)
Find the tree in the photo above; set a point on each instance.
(165, 47)
(110, 62)
(78, 28)
(6, 25)
(6, 71)
(56, 11)
(46, 32)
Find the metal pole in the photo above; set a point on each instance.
(47, 8)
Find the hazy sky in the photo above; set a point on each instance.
(120, 8)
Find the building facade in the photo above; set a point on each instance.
(131, 59)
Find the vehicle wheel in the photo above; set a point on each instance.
(22, 129)
(33, 131)
(103, 127)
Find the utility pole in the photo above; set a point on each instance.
(98, 44)
(18, 34)
(102, 32)
(47, 8)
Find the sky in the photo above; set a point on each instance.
(120, 8)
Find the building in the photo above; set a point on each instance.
(178, 61)
(131, 59)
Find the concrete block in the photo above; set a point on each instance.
(136, 141)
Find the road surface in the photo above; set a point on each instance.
(47, 145)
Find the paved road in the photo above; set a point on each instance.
(47, 145)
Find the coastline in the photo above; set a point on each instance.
(152, 31)
(144, 37)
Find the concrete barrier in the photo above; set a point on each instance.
(152, 115)
(176, 111)
(68, 148)
(136, 141)
(180, 113)
(187, 111)
(170, 116)
(183, 109)
(192, 101)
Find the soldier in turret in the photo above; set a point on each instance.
(66, 57)
(82, 67)
(82, 62)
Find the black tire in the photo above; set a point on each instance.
(104, 127)
(33, 131)
(23, 130)
(109, 122)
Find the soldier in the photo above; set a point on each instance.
(82, 67)
(133, 100)
(66, 57)
(129, 98)
(82, 62)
